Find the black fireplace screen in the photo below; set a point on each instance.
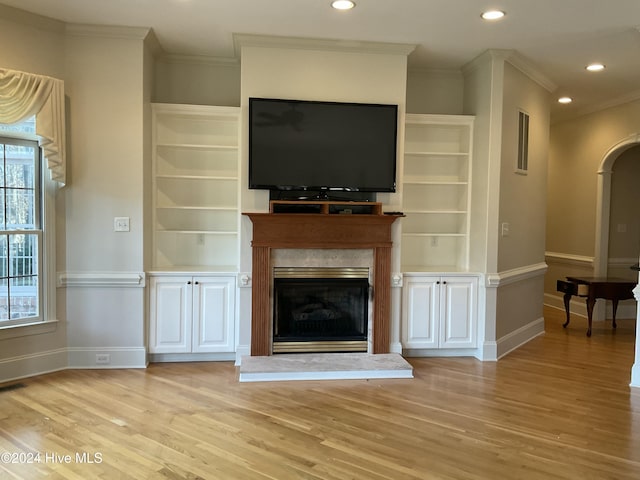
(320, 309)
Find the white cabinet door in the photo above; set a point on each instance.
(421, 312)
(458, 312)
(439, 312)
(213, 314)
(170, 315)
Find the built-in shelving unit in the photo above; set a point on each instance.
(436, 187)
(195, 187)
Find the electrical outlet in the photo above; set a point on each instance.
(103, 359)
(121, 224)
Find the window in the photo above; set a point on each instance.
(523, 143)
(21, 233)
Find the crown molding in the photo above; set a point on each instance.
(178, 59)
(302, 43)
(107, 31)
(516, 60)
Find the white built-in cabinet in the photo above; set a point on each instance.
(195, 229)
(195, 187)
(439, 306)
(439, 312)
(436, 192)
(192, 314)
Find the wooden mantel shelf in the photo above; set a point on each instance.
(303, 230)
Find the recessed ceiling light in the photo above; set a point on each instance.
(343, 4)
(565, 100)
(493, 14)
(595, 67)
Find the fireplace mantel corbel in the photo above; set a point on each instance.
(326, 231)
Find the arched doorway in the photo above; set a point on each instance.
(602, 234)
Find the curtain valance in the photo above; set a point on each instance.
(23, 95)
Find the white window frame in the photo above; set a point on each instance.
(47, 322)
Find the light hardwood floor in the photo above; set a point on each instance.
(557, 408)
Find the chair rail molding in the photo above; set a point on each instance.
(101, 279)
(515, 275)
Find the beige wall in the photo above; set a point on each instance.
(36, 45)
(197, 81)
(523, 197)
(434, 91)
(578, 148)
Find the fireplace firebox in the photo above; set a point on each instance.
(320, 310)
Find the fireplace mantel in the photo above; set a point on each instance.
(329, 231)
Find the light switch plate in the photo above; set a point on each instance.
(120, 224)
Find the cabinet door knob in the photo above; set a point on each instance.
(438, 282)
(197, 283)
(189, 282)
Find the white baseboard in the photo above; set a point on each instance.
(519, 337)
(191, 357)
(118, 357)
(39, 363)
(635, 375)
(242, 351)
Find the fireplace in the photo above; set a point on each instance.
(320, 309)
(322, 231)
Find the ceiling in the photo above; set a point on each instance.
(557, 37)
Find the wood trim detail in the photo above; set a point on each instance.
(319, 231)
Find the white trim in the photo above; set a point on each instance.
(241, 40)
(106, 31)
(101, 279)
(569, 259)
(177, 59)
(242, 351)
(191, 357)
(25, 329)
(519, 337)
(120, 357)
(515, 275)
(30, 365)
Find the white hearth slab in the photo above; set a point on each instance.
(324, 366)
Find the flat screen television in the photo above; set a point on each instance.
(319, 146)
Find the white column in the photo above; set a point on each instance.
(635, 370)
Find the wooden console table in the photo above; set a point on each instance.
(592, 288)
(320, 230)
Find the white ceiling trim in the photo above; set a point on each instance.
(265, 41)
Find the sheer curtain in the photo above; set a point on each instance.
(23, 95)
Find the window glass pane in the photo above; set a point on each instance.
(4, 299)
(23, 252)
(24, 297)
(4, 258)
(19, 211)
(27, 126)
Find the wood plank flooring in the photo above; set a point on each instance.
(557, 408)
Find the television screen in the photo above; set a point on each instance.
(319, 146)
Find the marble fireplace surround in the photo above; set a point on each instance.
(307, 240)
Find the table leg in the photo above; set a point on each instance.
(567, 299)
(615, 308)
(591, 301)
